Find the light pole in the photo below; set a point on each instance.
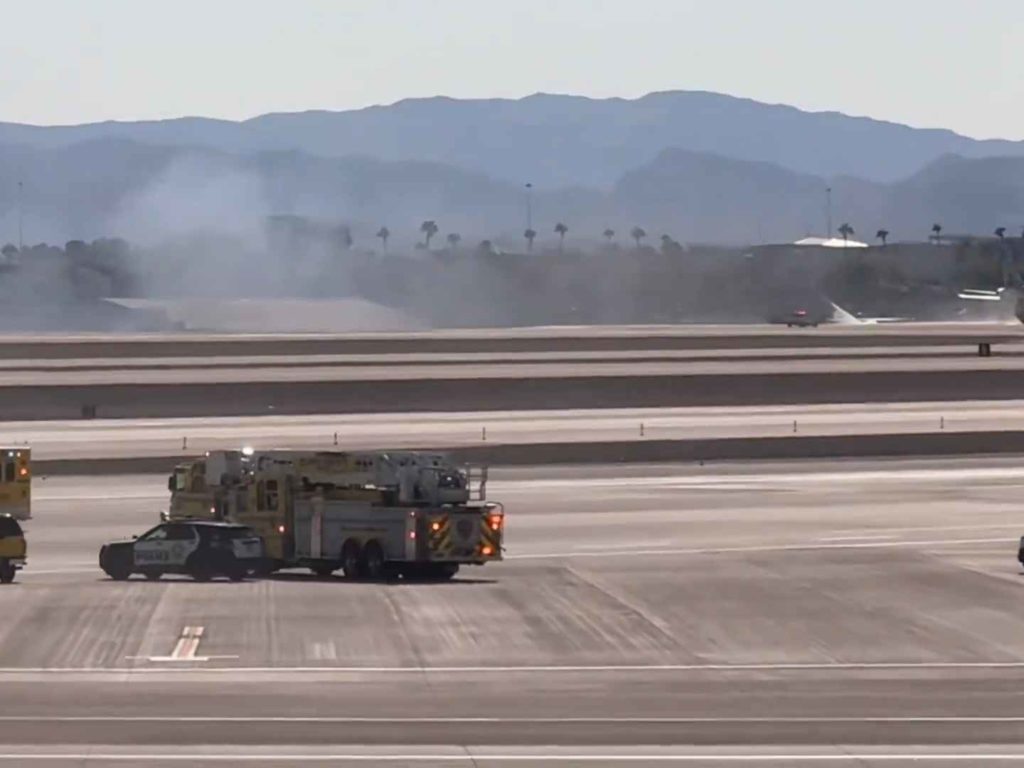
(21, 217)
(828, 211)
(529, 205)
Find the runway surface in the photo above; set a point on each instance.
(497, 340)
(185, 437)
(865, 613)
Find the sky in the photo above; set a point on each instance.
(931, 63)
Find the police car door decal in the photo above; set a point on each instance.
(152, 549)
(182, 541)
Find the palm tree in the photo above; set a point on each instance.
(530, 235)
(846, 231)
(453, 240)
(638, 234)
(429, 229)
(561, 230)
(1000, 232)
(883, 235)
(937, 233)
(384, 233)
(609, 234)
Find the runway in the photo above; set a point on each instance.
(510, 340)
(185, 437)
(775, 613)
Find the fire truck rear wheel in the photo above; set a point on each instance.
(7, 571)
(351, 560)
(373, 561)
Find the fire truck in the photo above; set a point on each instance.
(16, 482)
(371, 514)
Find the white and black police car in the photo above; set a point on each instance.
(197, 548)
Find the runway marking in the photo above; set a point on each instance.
(474, 757)
(872, 537)
(186, 647)
(506, 720)
(542, 669)
(625, 552)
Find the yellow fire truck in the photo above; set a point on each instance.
(371, 514)
(16, 482)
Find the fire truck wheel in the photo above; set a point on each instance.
(351, 560)
(6, 571)
(373, 561)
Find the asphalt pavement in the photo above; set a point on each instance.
(775, 613)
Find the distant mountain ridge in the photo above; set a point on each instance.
(560, 141)
(148, 194)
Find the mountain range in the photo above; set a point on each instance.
(698, 166)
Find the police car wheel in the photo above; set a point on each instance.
(7, 571)
(119, 571)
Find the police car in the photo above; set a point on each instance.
(197, 548)
(12, 548)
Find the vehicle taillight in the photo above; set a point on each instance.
(495, 522)
(487, 550)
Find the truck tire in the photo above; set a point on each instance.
(373, 563)
(7, 571)
(351, 560)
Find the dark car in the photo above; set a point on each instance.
(802, 318)
(12, 548)
(200, 549)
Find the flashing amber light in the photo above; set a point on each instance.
(495, 522)
(487, 551)
(280, 529)
(435, 526)
(23, 471)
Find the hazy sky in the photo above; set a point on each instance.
(948, 63)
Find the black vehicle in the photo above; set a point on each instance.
(12, 548)
(801, 318)
(198, 548)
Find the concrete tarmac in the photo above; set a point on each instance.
(742, 612)
(402, 395)
(185, 437)
(494, 340)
